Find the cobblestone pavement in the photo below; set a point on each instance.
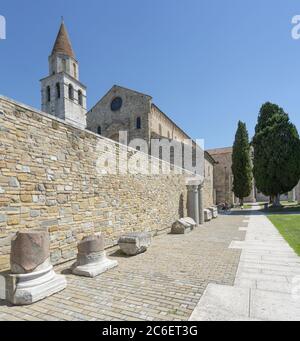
(165, 283)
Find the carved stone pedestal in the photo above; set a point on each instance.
(32, 277)
(91, 258)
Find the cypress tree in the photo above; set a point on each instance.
(276, 153)
(241, 163)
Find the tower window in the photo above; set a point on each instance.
(75, 70)
(57, 90)
(71, 92)
(48, 94)
(138, 123)
(99, 130)
(80, 100)
(64, 64)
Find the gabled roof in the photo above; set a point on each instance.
(120, 87)
(136, 92)
(62, 43)
(218, 151)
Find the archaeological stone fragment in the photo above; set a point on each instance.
(91, 258)
(135, 243)
(183, 225)
(32, 277)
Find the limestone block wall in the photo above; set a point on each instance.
(223, 175)
(50, 179)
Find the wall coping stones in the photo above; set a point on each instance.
(70, 124)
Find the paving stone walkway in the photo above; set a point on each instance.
(164, 283)
(267, 285)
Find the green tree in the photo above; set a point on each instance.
(241, 163)
(276, 153)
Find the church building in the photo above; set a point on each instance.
(121, 109)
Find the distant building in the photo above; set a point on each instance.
(223, 181)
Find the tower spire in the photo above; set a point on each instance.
(62, 43)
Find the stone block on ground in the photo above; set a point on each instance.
(183, 225)
(207, 215)
(214, 212)
(91, 258)
(134, 243)
(32, 277)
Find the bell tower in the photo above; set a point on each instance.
(63, 95)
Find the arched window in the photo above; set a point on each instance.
(99, 130)
(172, 155)
(160, 153)
(138, 123)
(75, 70)
(57, 90)
(80, 101)
(71, 92)
(48, 94)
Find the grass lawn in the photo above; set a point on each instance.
(247, 206)
(286, 207)
(289, 227)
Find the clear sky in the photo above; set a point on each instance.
(206, 63)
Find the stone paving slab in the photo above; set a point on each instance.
(165, 283)
(232, 303)
(267, 275)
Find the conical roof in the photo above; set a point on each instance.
(62, 42)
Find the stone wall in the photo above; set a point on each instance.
(223, 175)
(50, 178)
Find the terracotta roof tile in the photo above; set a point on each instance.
(218, 151)
(62, 43)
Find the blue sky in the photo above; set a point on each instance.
(207, 63)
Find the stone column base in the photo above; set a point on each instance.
(25, 289)
(95, 268)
